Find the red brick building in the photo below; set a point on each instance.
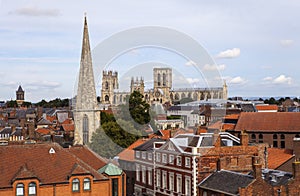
(49, 169)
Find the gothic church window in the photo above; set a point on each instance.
(106, 85)
(106, 98)
(164, 80)
(85, 129)
(158, 80)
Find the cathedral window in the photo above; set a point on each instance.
(158, 80)
(85, 129)
(106, 98)
(106, 85)
(164, 80)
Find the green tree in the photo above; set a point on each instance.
(11, 104)
(138, 108)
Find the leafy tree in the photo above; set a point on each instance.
(138, 108)
(11, 104)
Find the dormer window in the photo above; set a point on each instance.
(32, 189)
(20, 189)
(75, 185)
(86, 184)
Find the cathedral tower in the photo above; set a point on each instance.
(137, 85)
(109, 84)
(20, 94)
(86, 115)
(162, 84)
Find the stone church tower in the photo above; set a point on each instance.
(137, 85)
(162, 84)
(20, 96)
(109, 84)
(86, 115)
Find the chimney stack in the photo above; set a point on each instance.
(257, 167)
(296, 169)
(244, 138)
(296, 147)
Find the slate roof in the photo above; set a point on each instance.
(20, 89)
(148, 145)
(47, 167)
(43, 121)
(269, 121)
(227, 182)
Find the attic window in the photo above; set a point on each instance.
(51, 151)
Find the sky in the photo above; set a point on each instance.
(255, 44)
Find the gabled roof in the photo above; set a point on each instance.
(269, 121)
(277, 157)
(110, 170)
(20, 89)
(46, 166)
(43, 121)
(227, 182)
(68, 127)
(148, 145)
(23, 173)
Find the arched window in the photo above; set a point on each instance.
(164, 79)
(195, 96)
(282, 141)
(260, 138)
(20, 189)
(115, 99)
(202, 96)
(121, 98)
(75, 185)
(177, 96)
(85, 129)
(182, 95)
(32, 189)
(190, 95)
(86, 184)
(106, 85)
(275, 142)
(171, 96)
(106, 98)
(158, 80)
(253, 138)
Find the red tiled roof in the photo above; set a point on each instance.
(68, 121)
(88, 156)
(43, 131)
(267, 107)
(47, 167)
(51, 118)
(228, 126)
(68, 127)
(277, 157)
(269, 121)
(232, 116)
(128, 153)
(216, 125)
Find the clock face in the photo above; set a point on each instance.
(157, 93)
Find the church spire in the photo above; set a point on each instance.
(86, 115)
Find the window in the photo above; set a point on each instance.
(115, 186)
(75, 185)
(179, 183)
(171, 159)
(275, 142)
(86, 184)
(187, 186)
(143, 174)
(149, 176)
(143, 155)
(171, 181)
(158, 178)
(253, 138)
(20, 189)
(187, 162)
(150, 156)
(260, 138)
(137, 154)
(178, 161)
(137, 172)
(158, 157)
(32, 189)
(282, 141)
(164, 158)
(164, 180)
(85, 129)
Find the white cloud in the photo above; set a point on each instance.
(268, 78)
(235, 80)
(35, 11)
(287, 42)
(282, 79)
(208, 67)
(193, 80)
(230, 53)
(190, 63)
(43, 84)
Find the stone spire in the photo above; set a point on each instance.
(86, 117)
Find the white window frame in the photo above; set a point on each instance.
(187, 185)
(178, 160)
(187, 162)
(137, 154)
(143, 155)
(158, 181)
(164, 158)
(178, 183)
(150, 156)
(171, 159)
(137, 171)
(143, 174)
(171, 181)
(149, 175)
(158, 157)
(164, 180)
